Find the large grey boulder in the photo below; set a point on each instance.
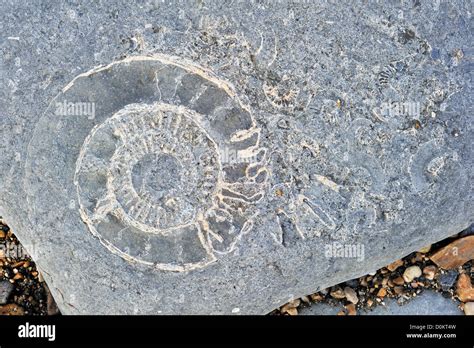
(226, 157)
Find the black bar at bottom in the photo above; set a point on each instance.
(244, 330)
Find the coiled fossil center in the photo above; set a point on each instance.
(157, 176)
(159, 145)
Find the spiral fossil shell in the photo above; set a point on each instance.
(152, 176)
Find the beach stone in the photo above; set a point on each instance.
(429, 272)
(394, 265)
(455, 254)
(351, 295)
(469, 308)
(411, 273)
(228, 157)
(464, 289)
(5, 290)
(447, 279)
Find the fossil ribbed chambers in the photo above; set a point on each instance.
(168, 176)
(163, 172)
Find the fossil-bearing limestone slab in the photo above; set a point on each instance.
(226, 157)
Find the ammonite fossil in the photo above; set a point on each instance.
(170, 162)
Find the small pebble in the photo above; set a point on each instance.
(411, 273)
(398, 281)
(469, 308)
(447, 279)
(464, 289)
(305, 299)
(316, 297)
(351, 295)
(425, 249)
(351, 309)
(417, 258)
(382, 293)
(5, 290)
(429, 272)
(398, 290)
(337, 293)
(289, 308)
(290, 305)
(394, 265)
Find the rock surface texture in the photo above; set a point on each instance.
(227, 157)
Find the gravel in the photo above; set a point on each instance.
(396, 285)
(22, 290)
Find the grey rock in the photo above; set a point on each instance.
(5, 290)
(226, 157)
(427, 303)
(320, 309)
(447, 279)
